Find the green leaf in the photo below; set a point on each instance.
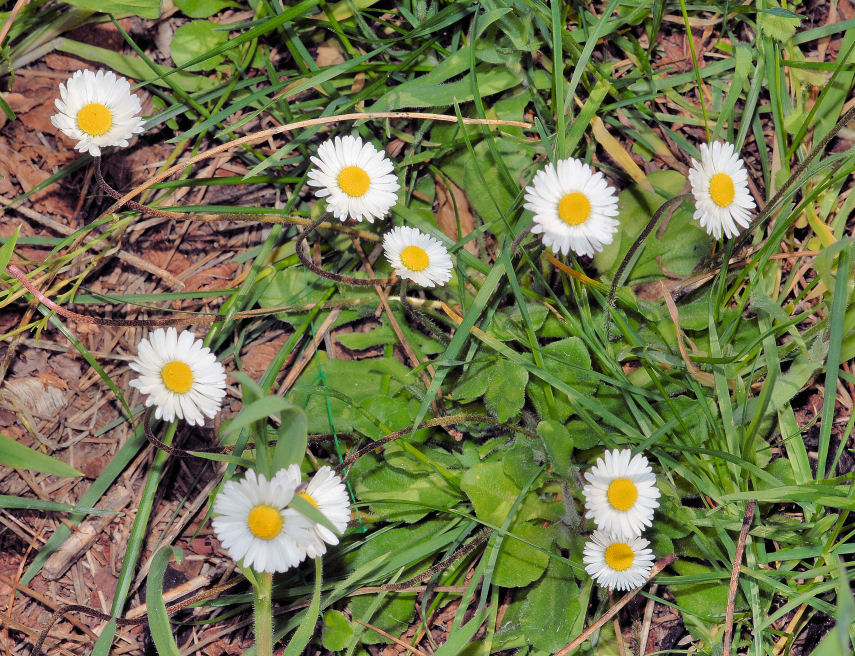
(458, 638)
(158, 620)
(569, 361)
(518, 563)
(559, 445)
(778, 23)
(260, 409)
(309, 510)
(337, 631)
(13, 454)
(9, 501)
(293, 286)
(203, 8)
(292, 436)
(473, 384)
(550, 609)
(374, 481)
(493, 492)
(8, 248)
(505, 394)
(679, 249)
(193, 40)
(708, 599)
(142, 8)
(519, 464)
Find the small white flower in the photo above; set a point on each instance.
(572, 206)
(327, 493)
(180, 375)
(357, 180)
(617, 565)
(254, 524)
(621, 494)
(720, 186)
(418, 257)
(98, 110)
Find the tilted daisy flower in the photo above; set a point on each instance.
(573, 207)
(617, 565)
(418, 257)
(98, 110)
(720, 187)
(621, 494)
(327, 493)
(254, 524)
(357, 180)
(180, 375)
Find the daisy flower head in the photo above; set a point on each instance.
(327, 493)
(357, 180)
(615, 564)
(418, 257)
(720, 187)
(621, 494)
(98, 110)
(573, 207)
(180, 375)
(254, 524)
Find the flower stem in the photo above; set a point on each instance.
(264, 614)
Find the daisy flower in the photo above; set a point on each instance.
(254, 524)
(181, 376)
(327, 493)
(720, 187)
(617, 565)
(356, 179)
(621, 494)
(572, 206)
(418, 257)
(98, 110)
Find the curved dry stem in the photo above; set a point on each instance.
(321, 120)
(175, 320)
(209, 217)
(436, 421)
(306, 261)
(664, 207)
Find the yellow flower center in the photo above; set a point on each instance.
(177, 377)
(308, 498)
(415, 258)
(622, 493)
(264, 522)
(574, 208)
(94, 119)
(353, 181)
(722, 190)
(619, 556)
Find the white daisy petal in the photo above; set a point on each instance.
(720, 187)
(181, 378)
(254, 524)
(356, 179)
(98, 110)
(327, 493)
(572, 207)
(621, 494)
(616, 564)
(418, 257)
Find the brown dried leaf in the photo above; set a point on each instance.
(446, 215)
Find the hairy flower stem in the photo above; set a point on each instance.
(336, 277)
(664, 207)
(424, 321)
(263, 614)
